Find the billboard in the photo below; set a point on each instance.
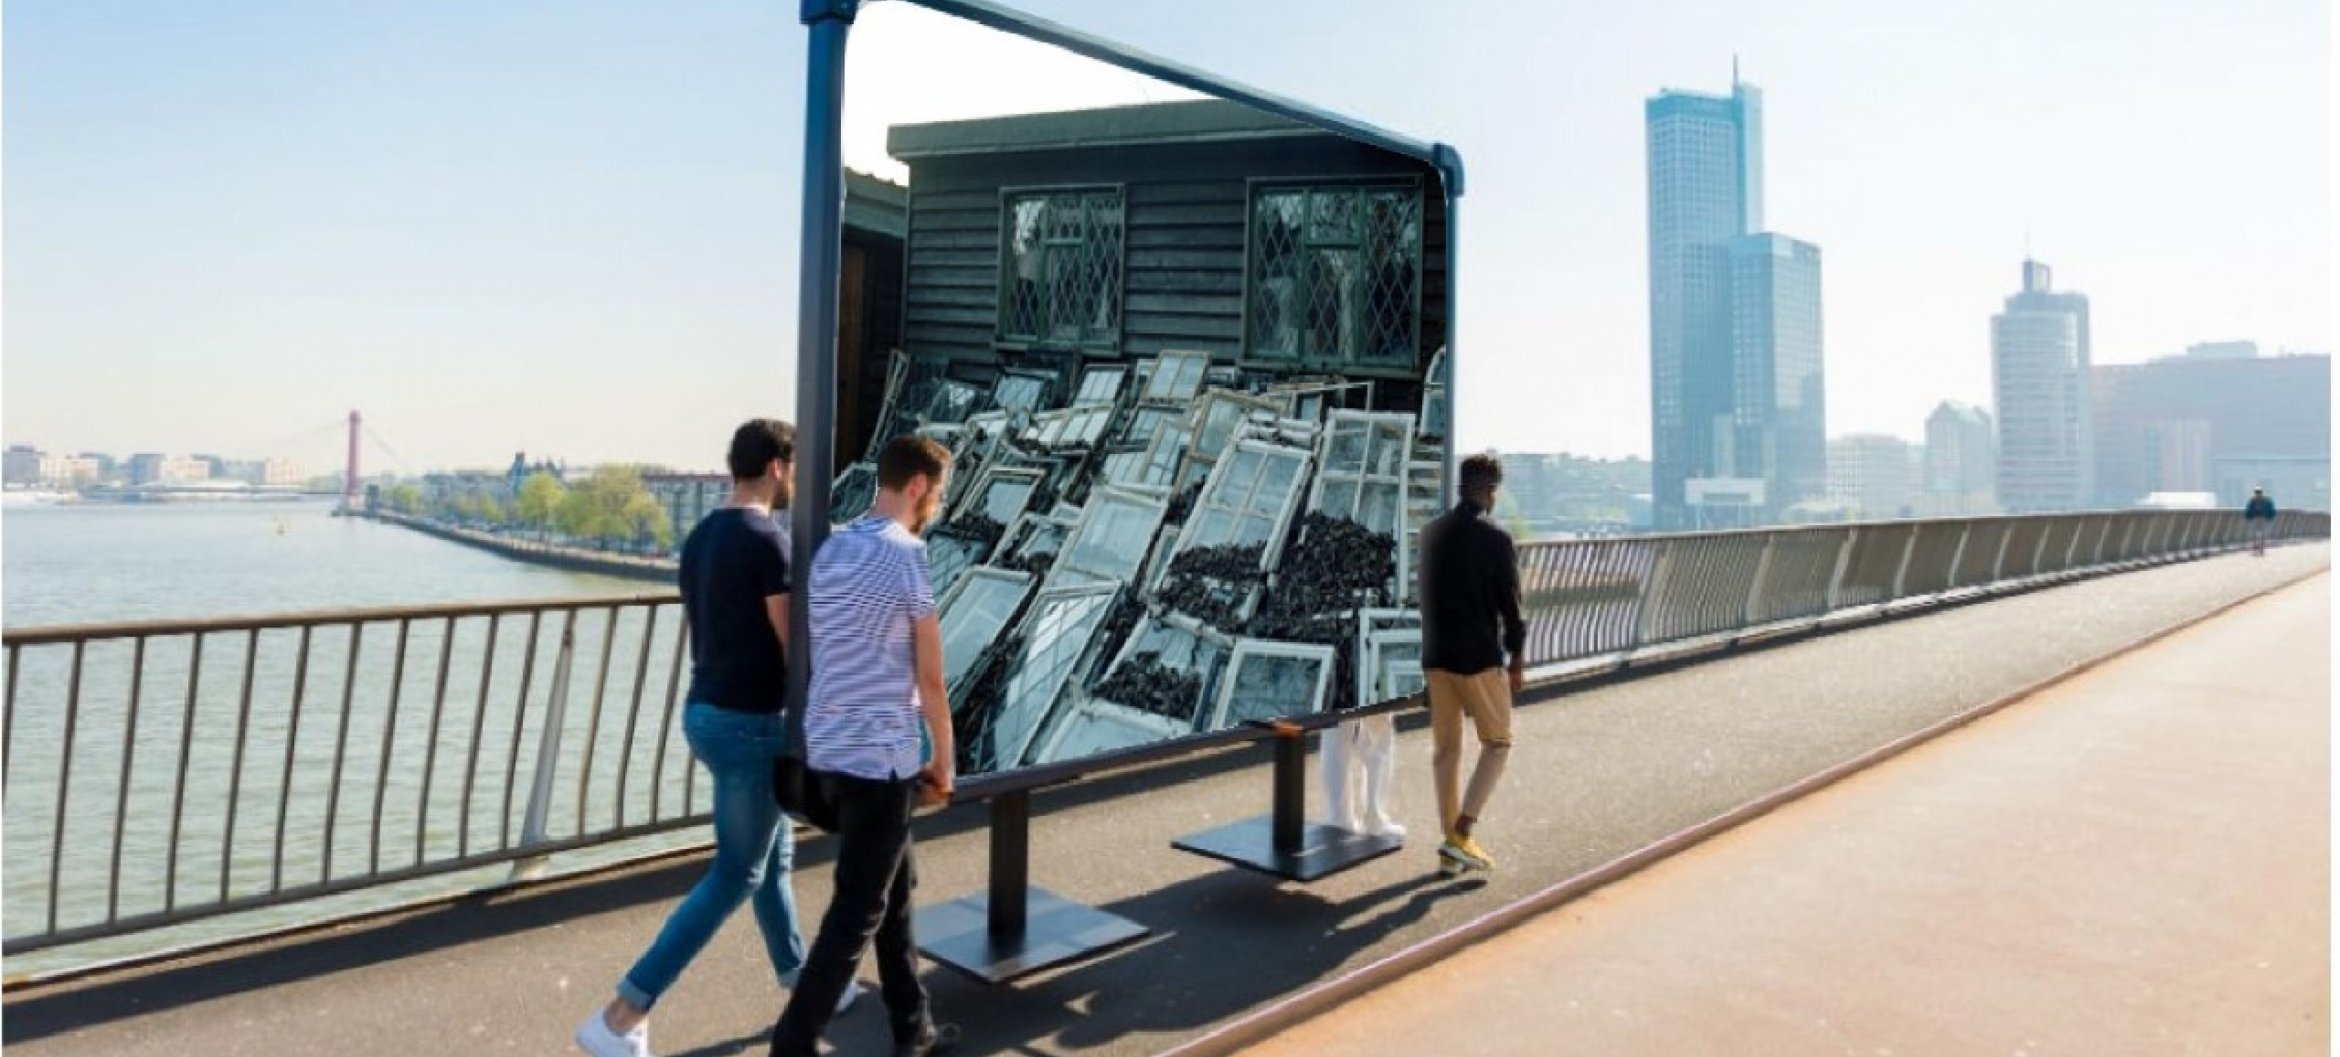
(1188, 356)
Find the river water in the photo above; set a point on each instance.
(86, 563)
(417, 726)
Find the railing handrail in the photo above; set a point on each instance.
(1598, 604)
(48, 634)
(51, 634)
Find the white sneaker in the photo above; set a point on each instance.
(595, 1037)
(1391, 830)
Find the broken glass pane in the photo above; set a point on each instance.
(1272, 680)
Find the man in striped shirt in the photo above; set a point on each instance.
(877, 685)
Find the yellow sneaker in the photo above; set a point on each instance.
(1465, 852)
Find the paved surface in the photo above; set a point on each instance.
(1598, 773)
(2134, 862)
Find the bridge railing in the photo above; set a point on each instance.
(162, 772)
(165, 771)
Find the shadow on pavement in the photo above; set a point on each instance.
(1225, 942)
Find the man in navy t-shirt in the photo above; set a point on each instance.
(735, 587)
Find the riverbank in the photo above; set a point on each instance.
(573, 559)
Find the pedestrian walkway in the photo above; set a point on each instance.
(1598, 772)
(2133, 862)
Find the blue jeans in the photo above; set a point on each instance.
(754, 847)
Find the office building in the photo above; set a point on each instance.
(2040, 376)
(1962, 462)
(2196, 423)
(1735, 353)
(1874, 476)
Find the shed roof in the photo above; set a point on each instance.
(1189, 121)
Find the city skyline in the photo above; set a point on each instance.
(233, 222)
(1738, 406)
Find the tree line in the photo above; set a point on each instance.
(612, 509)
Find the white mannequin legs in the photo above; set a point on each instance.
(1360, 768)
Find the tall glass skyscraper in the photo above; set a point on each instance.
(1778, 403)
(2040, 375)
(1723, 387)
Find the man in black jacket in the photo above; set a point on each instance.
(1472, 639)
(2259, 517)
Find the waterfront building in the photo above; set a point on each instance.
(157, 468)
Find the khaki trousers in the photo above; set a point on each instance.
(1486, 698)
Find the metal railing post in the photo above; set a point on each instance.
(2006, 541)
(1957, 555)
(548, 752)
(1651, 590)
(1901, 571)
(1844, 553)
(1755, 586)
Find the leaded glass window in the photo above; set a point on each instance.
(1060, 267)
(1272, 680)
(1056, 637)
(1336, 275)
(975, 614)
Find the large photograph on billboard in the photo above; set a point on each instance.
(1185, 354)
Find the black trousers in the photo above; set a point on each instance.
(875, 875)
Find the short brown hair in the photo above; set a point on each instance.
(1481, 472)
(910, 456)
(755, 444)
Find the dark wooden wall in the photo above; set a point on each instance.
(1184, 229)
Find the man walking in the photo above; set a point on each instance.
(2259, 517)
(877, 685)
(1469, 593)
(735, 584)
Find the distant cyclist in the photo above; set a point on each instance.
(2259, 515)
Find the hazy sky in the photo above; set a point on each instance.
(569, 226)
